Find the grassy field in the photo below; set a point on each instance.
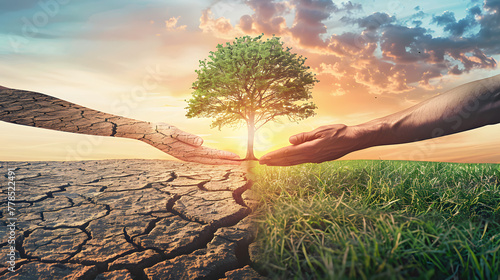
(379, 220)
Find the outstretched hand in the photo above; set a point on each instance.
(322, 144)
(49, 112)
(186, 146)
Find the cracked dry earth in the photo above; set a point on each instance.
(129, 219)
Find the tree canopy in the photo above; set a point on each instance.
(252, 80)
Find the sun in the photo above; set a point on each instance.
(236, 140)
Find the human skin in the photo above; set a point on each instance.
(465, 107)
(44, 111)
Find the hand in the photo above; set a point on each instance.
(322, 144)
(186, 146)
(61, 115)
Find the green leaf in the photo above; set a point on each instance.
(254, 81)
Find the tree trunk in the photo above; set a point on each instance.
(251, 136)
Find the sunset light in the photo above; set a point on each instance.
(137, 59)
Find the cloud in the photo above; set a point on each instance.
(349, 7)
(456, 28)
(417, 23)
(374, 21)
(220, 27)
(403, 44)
(267, 17)
(492, 5)
(412, 56)
(444, 19)
(370, 73)
(379, 52)
(171, 24)
(488, 36)
(308, 24)
(415, 45)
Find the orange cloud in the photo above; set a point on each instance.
(379, 55)
(219, 27)
(267, 17)
(171, 24)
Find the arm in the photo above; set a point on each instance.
(462, 108)
(40, 110)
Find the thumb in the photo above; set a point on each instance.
(302, 137)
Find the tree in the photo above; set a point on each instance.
(252, 80)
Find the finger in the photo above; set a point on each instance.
(290, 155)
(178, 134)
(290, 151)
(188, 138)
(211, 156)
(212, 153)
(228, 155)
(184, 151)
(302, 137)
(205, 160)
(284, 161)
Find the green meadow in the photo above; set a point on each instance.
(379, 220)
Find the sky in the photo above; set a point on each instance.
(138, 59)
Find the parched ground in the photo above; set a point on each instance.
(127, 219)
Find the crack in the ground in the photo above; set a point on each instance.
(80, 246)
(237, 193)
(242, 253)
(129, 239)
(107, 261)
(151, 225)
(27, 233)
(20, 248)
(49, 194)
(206, 236)
(241, 249)
(70, 201)
(202, 184)
(110, 177)
(171, 193)
(226, 175)
(103, 266)
(171, 202)
(26, 178)
(170, 208)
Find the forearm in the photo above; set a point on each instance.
(463, 108)
(40, 110)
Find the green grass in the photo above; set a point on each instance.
(379, 220)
